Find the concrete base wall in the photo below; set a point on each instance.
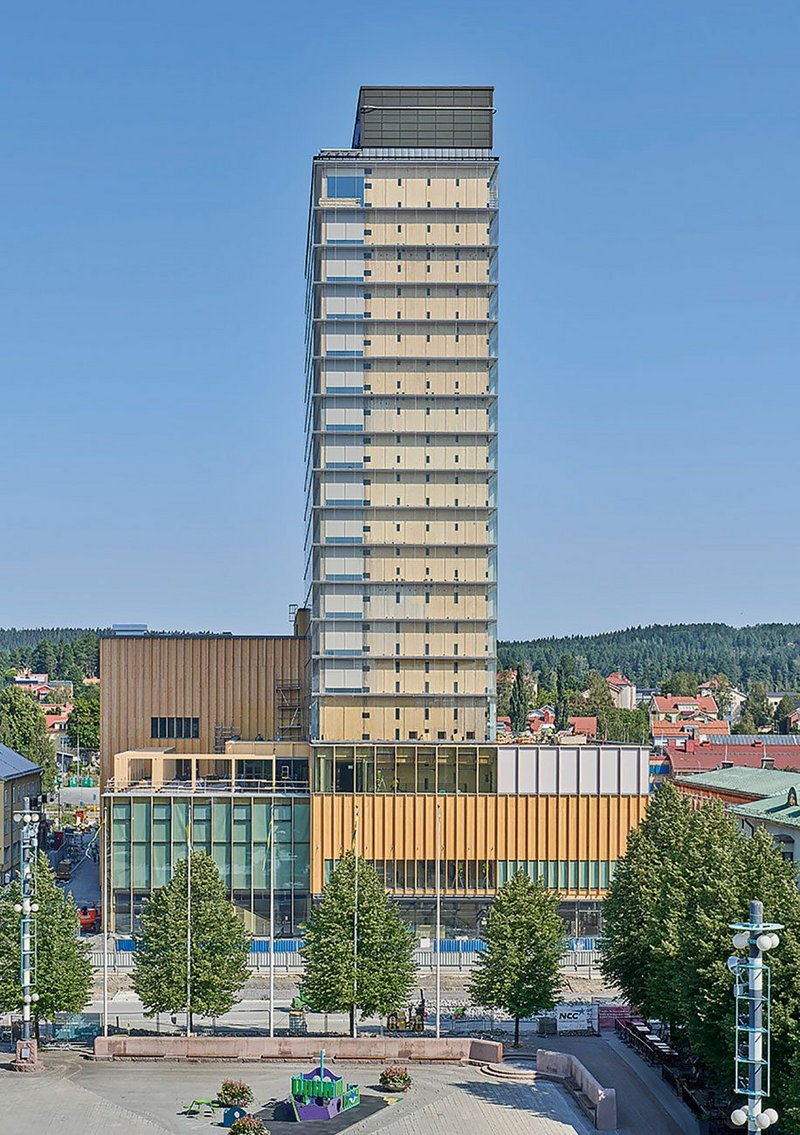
(448, 1050)
(562, 1066)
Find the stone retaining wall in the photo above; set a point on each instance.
(448, 1050)
(563, 1066)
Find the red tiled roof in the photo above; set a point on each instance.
(618, 679)
(672, 704)
(587, 725)
(690, 728)
(705, 757)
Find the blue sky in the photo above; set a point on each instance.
(154, 192)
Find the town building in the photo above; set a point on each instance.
(622, 690)
(756, 797)
(402, 421)
(734, 785)
(20, 780)
(374, 724)
(745, 750)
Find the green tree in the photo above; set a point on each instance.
(23, 727)
(723, 693)
(640, 931)
(504, 688)
(756, 708)
(63, 974)
(382, 976)
(681, 684)
(44, 658)
(685, 876)
(84, 721)
(519, 969)
(518, 703)
(566, 679)
(217, 967)
(783, 709)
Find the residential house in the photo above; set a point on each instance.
(622, 689)
(583, 728)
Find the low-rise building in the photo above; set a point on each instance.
(779, 815)
(759, 750)
(734, 785)
(20, 779)
(622, 690)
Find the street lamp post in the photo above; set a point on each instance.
(28, 847)
(751, 975)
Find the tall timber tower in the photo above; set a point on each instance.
(401, 421)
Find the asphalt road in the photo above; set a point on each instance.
(645, 1104)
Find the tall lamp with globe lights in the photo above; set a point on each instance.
(751, 974)
(27, 908)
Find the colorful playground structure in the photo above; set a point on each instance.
(320, 1094)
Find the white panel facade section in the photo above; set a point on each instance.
(341, 529)
(344, 416)
(341, 639)
(350, 231)
(528, 762)
(567, 772)
(333, 565)
(343, 491)
(341, 676)
(337, 456)
(548, 772)
(345, 266)
(344, 304)
(629, 772)
(343, 341)
(335, 602)
(609, 772)
(506, 771)
(588, 772)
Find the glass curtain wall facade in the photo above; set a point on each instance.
(401, 437)
(148, 837)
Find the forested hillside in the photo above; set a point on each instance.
(768, 652)
(70, 653)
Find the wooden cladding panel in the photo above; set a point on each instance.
(227, 680)
(473, 827)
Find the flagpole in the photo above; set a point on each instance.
(355, 928)
(189, 923)
(272, 919)
(104, 915)
(438, 922)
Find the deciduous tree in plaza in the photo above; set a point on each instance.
(519, 969)
(63, 972)
(217, 967)
(685, 876)
(380, 977)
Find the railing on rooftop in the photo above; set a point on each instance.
(208, 785)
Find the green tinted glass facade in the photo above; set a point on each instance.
(149, 835)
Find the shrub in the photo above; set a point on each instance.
(249, 1125)
(395, 1079)
(235, 1092)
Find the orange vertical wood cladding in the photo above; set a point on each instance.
(400, 827)
(220, 680)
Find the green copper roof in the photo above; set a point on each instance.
(782, 809)
(752, 781)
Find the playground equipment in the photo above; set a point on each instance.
(320, 1094)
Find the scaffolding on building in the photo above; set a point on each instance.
(223, 733)
(288, 710)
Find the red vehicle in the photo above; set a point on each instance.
(89, 918)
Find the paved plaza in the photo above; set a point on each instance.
(74, 1096)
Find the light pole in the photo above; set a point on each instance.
(28, 846)
(751, 1059)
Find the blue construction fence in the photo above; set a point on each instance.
(446, 946)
